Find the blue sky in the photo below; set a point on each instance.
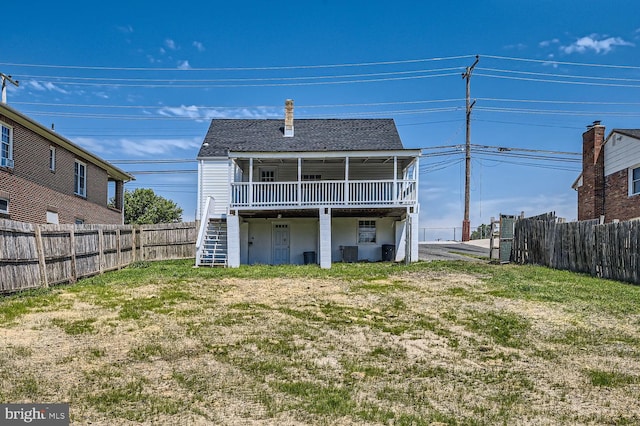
(135, 82)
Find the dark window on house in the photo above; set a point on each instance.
(635, 181)
(80, 179)
(6, 146)
(311, 177)
(4, 206)
(52, 158)
(366, 231)
(79, 221)
(267, 175)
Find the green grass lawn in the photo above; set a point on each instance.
(430, 343)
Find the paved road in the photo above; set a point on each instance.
(449, 251)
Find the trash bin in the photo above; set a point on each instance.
(388, 252)
(309, 257)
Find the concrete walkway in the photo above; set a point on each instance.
(454, 250)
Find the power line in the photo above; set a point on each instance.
(180, 85)
(540, 80)
(552, 62)
(265, 68)
(559, 75)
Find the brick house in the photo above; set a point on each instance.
(272, 191)
(46, 178)
(609, 184)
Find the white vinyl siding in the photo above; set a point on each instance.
(214, 182)
(620, 152)
(330, 171)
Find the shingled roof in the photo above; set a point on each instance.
(634, 133)
(310, 135)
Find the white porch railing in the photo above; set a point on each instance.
(337, 193)
(204, 219)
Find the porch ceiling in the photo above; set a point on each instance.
(303, 213)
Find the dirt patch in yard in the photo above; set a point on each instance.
(426, 347)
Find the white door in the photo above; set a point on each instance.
(280, 238)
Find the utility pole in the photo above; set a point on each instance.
(6, 78)
(466, 226)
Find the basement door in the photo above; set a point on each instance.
(280, 238)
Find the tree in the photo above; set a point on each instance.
(482, 232)
(143, 206)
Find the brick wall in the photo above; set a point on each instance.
(591, 193)
(618, 204)
(32, 187)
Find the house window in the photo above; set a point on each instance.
(366, 231)
(79, 221)
(80, 179)
(6, 146)
(4, 206)
(52, 158)
(52, 217)
(635, 181)
(311, 177)
(267, 175)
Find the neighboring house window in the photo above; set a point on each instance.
(52, 158)
(79, 221)
(366, 231)
(6, 146)
(80, 179)
(635, 181)
(4, 206)
(52, 217)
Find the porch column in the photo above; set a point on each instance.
(233, 240)
(346, 180)
(250, 192)
(325, 238)
(395, 179)
(412, 237)
(299, 181)
(401, 240)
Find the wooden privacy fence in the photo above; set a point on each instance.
(41, 255)
(609, 250)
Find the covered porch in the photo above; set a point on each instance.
(379, 179)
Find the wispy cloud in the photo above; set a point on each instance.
(517, 46)
(93, 145)
(551, 62)
(203, 114)
(170, 44)
(151, 147)
(45, 86)
(595, 43)
(547, 43)
(199, 46)
(184, 65)
(125, 29)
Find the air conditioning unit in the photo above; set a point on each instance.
(350, 254)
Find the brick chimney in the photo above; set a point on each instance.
(591, 193)
(288, 118)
